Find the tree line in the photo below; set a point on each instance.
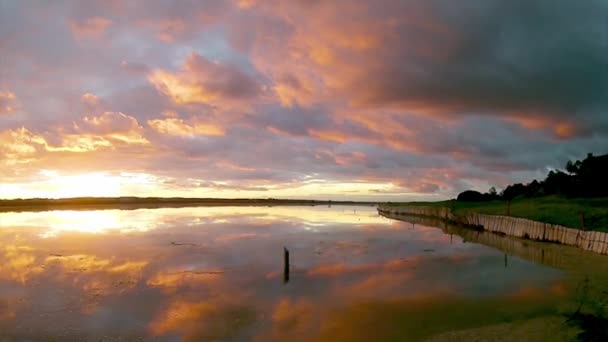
(586, 178)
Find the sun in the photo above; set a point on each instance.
(55, 184)
(97, 184)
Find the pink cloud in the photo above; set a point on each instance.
(178, 127)
(204, 81)
(93, 27)
(8, 102)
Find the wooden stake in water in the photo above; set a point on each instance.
(286, 262)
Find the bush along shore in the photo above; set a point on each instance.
(506, 225)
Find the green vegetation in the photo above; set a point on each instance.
(549, 209)
(577, 198)
(582, 179)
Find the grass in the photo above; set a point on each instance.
(550, 209)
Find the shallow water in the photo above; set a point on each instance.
(218, 274)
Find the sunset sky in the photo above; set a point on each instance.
(353, 99)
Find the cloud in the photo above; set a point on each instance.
(23, 152)
(8, 102)
(496, 58)
(167, 30)
(177, 127)
(113, 126)
(90, 100)
(109, 122)
(18, 144)
(93, 27)
(344, 99)
(204, 81)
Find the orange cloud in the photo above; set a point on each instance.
(95, 273)
(114, 126)
(79, 143)
(18, 146)
(294, 319)
(367, 61)
(173, 281)
(83, 262)
(331, 135)
(18, 264)
(107, 130)
(233, 166)
(177, 127)
(204, 81)
(128, 267)
(8, 102)
(90, 100)
(93, 27)
(203, 320)
(167, 30)
(244, 4)
(182, 315)
(562, 129)
(86, 142)
(338, 270)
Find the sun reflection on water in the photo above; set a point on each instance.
(141, 220)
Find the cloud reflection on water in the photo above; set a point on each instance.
(215, 273)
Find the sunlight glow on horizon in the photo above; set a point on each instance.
(54, 185)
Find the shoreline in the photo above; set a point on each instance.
(593, 241)
(133, 203)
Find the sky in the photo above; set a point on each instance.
(346, 99)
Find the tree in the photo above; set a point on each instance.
(470, 196)
(514, 190)
(586, 178)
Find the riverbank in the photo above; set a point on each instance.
(505, 225)
(564, 211)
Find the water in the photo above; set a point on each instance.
(218, 274)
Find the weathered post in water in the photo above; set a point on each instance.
(286, 262)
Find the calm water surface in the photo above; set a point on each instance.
(217, 274)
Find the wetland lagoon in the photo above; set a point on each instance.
(217, 274)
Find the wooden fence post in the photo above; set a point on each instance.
(286, 268)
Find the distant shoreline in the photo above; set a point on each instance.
(132, 203)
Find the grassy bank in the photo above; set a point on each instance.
(551, 209)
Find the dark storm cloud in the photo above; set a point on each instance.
(546, 56)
